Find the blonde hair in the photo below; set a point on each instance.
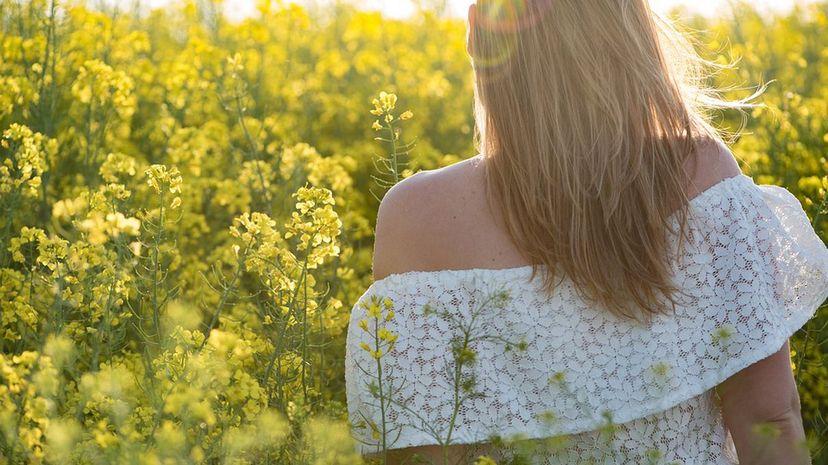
(586, 113)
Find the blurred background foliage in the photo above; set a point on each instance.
(188, 209)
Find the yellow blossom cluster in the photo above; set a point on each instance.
(329, 171)
(117, 165)
(316, 224)
(259, 241)
(18, 318)
(101, 228)
(50, 250)
(23, 162)
(384, 106)
(29, 383)
(384, 339)
(99, 85)
(164, 180)
(16, 92)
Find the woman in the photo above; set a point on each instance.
(601, 284)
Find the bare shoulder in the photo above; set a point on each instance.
(410, 212)
(714, 162)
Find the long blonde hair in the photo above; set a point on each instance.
(586, 112)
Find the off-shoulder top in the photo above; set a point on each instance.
(481, 356)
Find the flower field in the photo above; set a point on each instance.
(188, 208)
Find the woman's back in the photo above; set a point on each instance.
(439, 219)
(621, 391)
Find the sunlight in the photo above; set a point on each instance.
(404, 8)
(237, 10)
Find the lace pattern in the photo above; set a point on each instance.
(752, 274)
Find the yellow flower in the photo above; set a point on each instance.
(98, 84)
(316, 224)
(558, 378)
(22, 168)
(407, 115)
(160, 179)
(375, 433)
(363, 324)
(27, 235)
(374, 310)
(365, 346)
(386, 335)
(484, 460)
(376, 126)
(722, 334)
(115, 165)
(235, 63)
(388, 101)
(660, 369)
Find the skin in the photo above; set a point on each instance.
(439, 219)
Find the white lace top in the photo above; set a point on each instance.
(607, 390)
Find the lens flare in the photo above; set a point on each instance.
(497, 28)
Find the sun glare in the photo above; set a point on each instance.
(404, 8)
(240, 9)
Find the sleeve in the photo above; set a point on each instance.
(757, 270)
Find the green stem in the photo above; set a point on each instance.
(458, 374)
(277, 350)
(305, 337)
(381, 395)
(156, 311)
(225, 296)
(394, 153)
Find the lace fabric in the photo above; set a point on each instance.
(615, 390)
